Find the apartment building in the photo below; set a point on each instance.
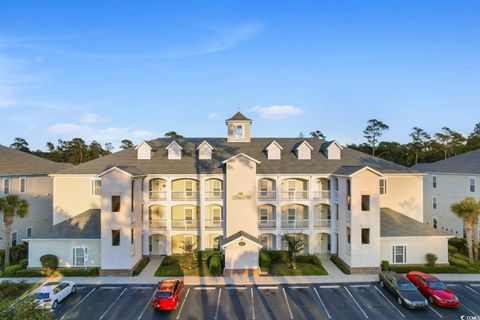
(26, 175)
(240, 195)
(446, 182)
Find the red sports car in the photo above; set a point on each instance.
(167, 295)
(434, 289)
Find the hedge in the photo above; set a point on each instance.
(215, 265)
(10, 271)
(204, 255)
(308, 259)
(425, 269)
(278, 256)
(23, 263)
(264, 258)
(141, 265)
(74, 272)
(460, 244)
(18, 252)
(452, 250)
(340, 264)
(29, 273)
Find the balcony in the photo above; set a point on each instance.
(213, 224)
(156, 223)
(213, 195)
(321, 195)
(267, 195)
(267, 224)
(321, 223)
(184, 224)
(185, 195)
(295, 195)
(158, 195)
(294, 224)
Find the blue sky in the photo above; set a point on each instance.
(109, 70)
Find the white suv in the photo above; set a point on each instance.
(51, 293)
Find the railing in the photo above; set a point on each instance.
(294, 224)
(213, 195)
(321, 195)
(267, 195)
(321, 223)
(185, 195)
(267, 223)
(182, 224)
(158, 195)
(213, 224)
(157, 223)
(295, 195)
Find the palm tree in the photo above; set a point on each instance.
(11, 206)
(468, 210)
(295, 244)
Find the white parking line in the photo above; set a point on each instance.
(235, 288)
(288, 304)
(323, 304)
(141, 288)
(469, 310)
(111, 306)
(298, 287)
(475, 284)
(204, 288)
(253, 304)
(183, 303)
(267, 288)
(146, 306)
(110, 288)
(63, 317)
(218, 303)
(438, 314)
(473, 290)
(378, 290)
(329, 287)
(359, 286)
(356, 302)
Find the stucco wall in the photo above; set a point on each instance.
(178, 211)
(404, 195)
(63, 249)
(237, 257)
(417, 248)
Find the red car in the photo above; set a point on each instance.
(167, 295)
(434, 289)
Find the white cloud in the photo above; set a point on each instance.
(212, 115)
(91, 118)
(277, 111)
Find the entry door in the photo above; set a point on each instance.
(291, 215)
(216, 216)
(291, 189)
(162, 245)
(188, 216)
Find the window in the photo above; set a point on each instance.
(349, 235)
(96, 187)
(472, 184)
(435, 223)
(14, 238)
(188, 188)
(365, 236)
(6, 186)
(365, 202)
(188, 213)
(216, 215)
(131, 235)
(263, 215)
(23, 185)
(399, 254)
(383, 186)
(216, 188)
(435, 202)
(80, 258)
(291, 189)
(115, 238)
(264, 240)
(115, 203)
(29, 232)
(263, 188)
(349, 194)
(132, 196)
(238, 131)
(434, 182)
(291, 215)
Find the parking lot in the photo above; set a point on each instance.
(313, 301)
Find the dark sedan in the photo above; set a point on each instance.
(405, 292)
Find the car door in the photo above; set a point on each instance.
(64, 291)
(421, 284)
(388, 282)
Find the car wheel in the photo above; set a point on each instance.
(399, 300)
(382, 284)
(430, 299)
(54, 304)
(74, 288)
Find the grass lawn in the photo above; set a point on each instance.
(303, 269)
(180, 268)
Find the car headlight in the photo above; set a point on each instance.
(426, 301)
(407, 301)
(438, 298)
(455, 298)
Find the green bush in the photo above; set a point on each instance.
(278, 256)
(2, 256)
(452, 250)
(29, 273)
(79, 272)
(431, 259)
(215, 265)
(454, 261)
(340, 264)
(10, 289)
(24, 263)
(385, 265)
(141, 265)
(168, 261)
(10, 271)
(18, 252)
(49, 263)
(312, 259)
(460, 244)
(264, 258)
(204, 255)
(408, 268)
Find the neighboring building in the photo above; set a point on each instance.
(238, 194)
(449, 181)
(27, 176)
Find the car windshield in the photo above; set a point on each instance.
(41, 295)
(437, 285)
(163, 294)
(406, 287)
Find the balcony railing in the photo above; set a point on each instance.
(267, 195)
(158, 195)
(294, 224)
(157, 223)
(185, 195)
(268, 224)
(321, 223)
(182, 224)
(321, 195)
(213, 195)
(348, 217)
(213, 224)
(295, 195)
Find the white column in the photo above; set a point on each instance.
(203, 213)
(278, 213)
(145, 236)
(169, 216)
(310, 216)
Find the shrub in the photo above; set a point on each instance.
(18, 252)
(215, 265)
(2, 256)
(24, 263)
(408, 268)
(74, 272)
(10, 271)
(340, 264)
(460, 244)
(431, 259)
(454, 261)
(9, 288)
(29, 273)
(264, 258)
(278, 256)
(311, 259)
(452, 250)
(49, 263)
(168, 261)
(141, 265)
(385, 265)
(204, 255)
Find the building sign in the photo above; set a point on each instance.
(242, 243)
(241, 196)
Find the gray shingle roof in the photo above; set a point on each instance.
(14, 162)
(86, 225)
(190, 164)
(464, 163)
(395, 224)
(239, 117)
(239, 234)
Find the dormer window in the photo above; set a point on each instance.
(304, 150)
(332, 150)
(274, 151)
(174, 151)
(205, 151)
(144, 151)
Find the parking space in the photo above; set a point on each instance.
(311, 301)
